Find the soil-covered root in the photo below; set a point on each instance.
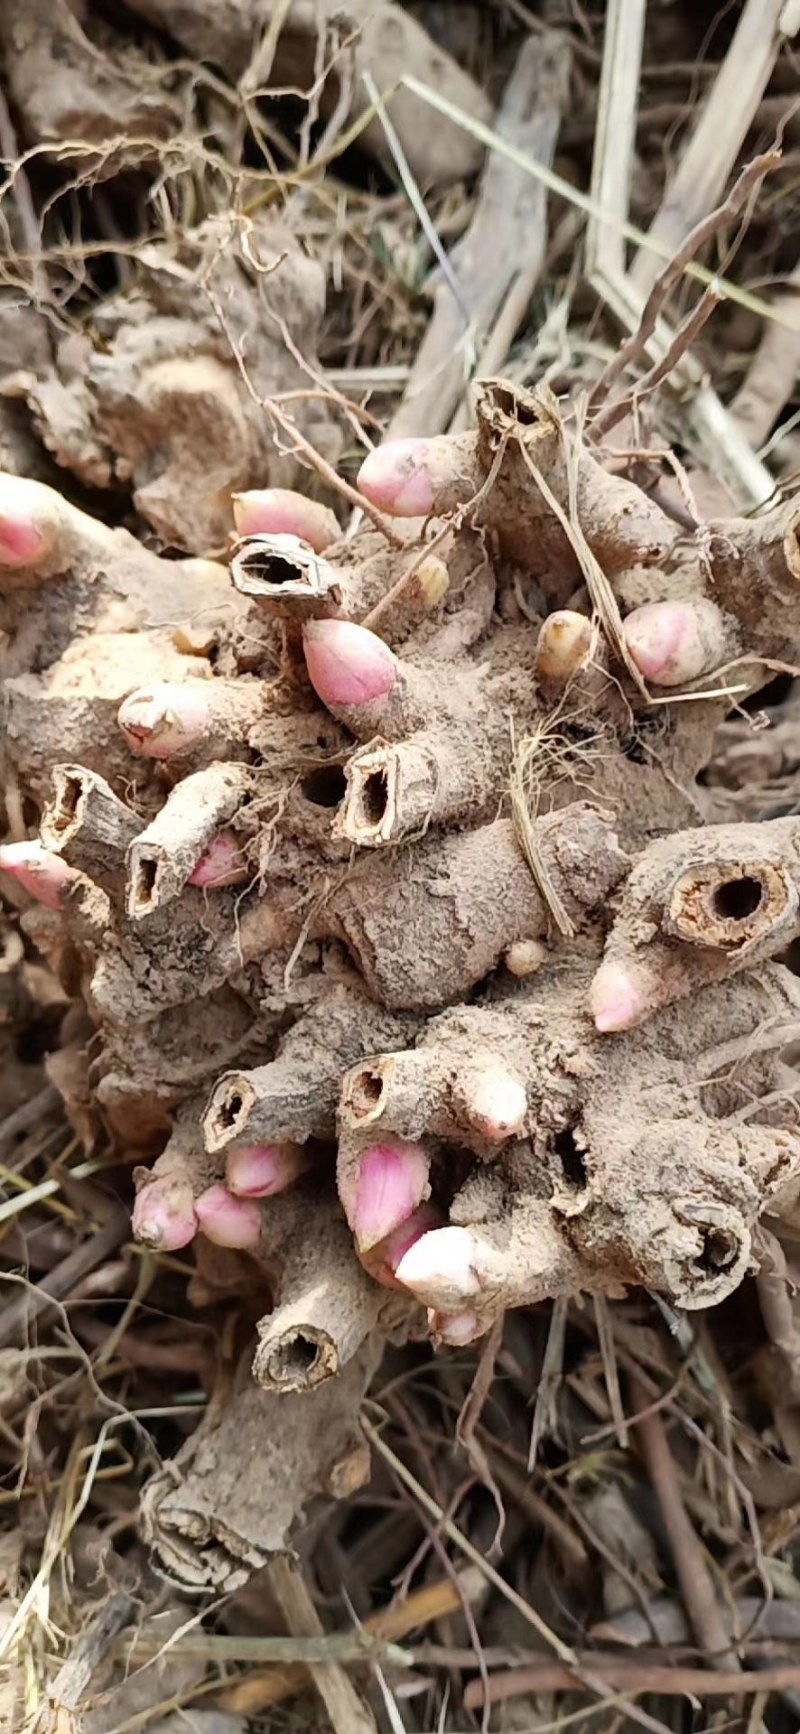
(265, 987)
(426, 927)
(153, 397)
(174, 849)
(325, 1306)
(89, 616)
(549, 1205)
(758, 757)
(291, 581)
(419, 939)
(442, 599)
(141, 1074)
(69, 712)
(295, 1096)
(440, 752)
(517, 434)
(746, 567)
(206, 1515)
(64, 574)
(275, 1208)
(48, 543)
(697, 906)
(133, 970)
(432, 751)
(437, 755)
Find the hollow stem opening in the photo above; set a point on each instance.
(145, 882)
(737, 899)
(69, 795)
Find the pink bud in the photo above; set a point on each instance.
(44, 876)
(163, 1214)
(259, 1170)
(456, 1329)
(221, 863)
(347, 664)
(440, 1268)
(281, 511)
(158, 721)
(392, 1179)
(22, 542)
(616, 998)
(381, 1261)
(496, 1104)
(674, 642)
(395, 477)
(226, 1220)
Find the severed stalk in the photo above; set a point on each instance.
(88, 824)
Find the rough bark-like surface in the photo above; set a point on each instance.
(419, 974)
(151, 396)
(206, 1514)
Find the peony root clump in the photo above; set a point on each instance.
(428, 975)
